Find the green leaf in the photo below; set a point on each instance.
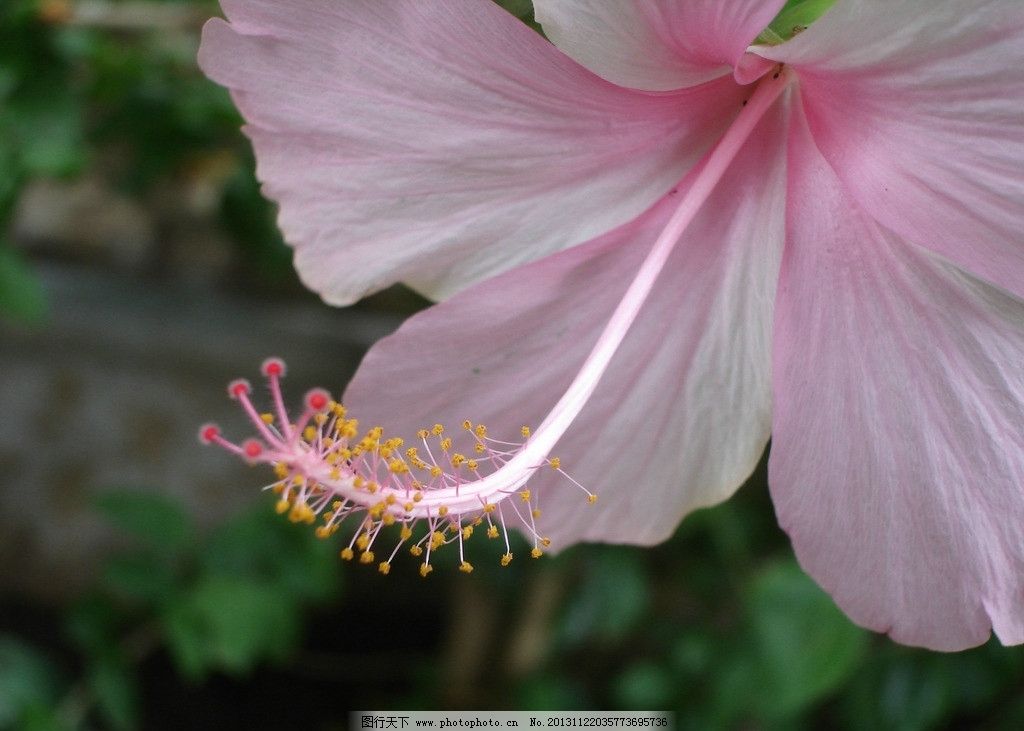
(262, 547)
(231, 624)
(614, 595)
(116, 693)
(143, 576)
(794, 17)
(804, 646)
(21, 294)
(27, 682)
(155, 519)
(644, 686)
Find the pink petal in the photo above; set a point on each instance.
(680, 418)
(897, 457)
(441, 142)
(656, 44)
(921, 114)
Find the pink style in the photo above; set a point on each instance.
(663, 245)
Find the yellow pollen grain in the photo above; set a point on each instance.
(442, 510)
(267, 418)
(406, 533)
(555, 463)
(309, 433)
(415, 550)
(422, 433)
(506, 559)
(545, 542)
(446, 444)
(480, 431)
(384, 567)
(489, 507)
(281, 507)
(466, 567)
(536, 513)
(536, 553)
(492, 532)
(438, 430)
(347, 554)
(467, 532)
(525, 431)
(435, 471)
(366, 557)
(467, 425)
(425, 569)
(591, 499)
(479, 448)
(471, 465)
(524, 495)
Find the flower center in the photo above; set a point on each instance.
(326, 470)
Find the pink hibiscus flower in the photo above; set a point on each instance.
(819, 241)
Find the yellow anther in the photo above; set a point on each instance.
(384, 567)
(322, 532)
(281, 507)
(536, 513)
(446, 444)
(411, 452)
(471, 465)
(358, 482)
(492, 532)
(545, 542)
(480, 431)
(344, 453)
(406, 533)
(466, 567)
(408, 507)
(479, 448)
(524, 495)
(334, 474)
(366, 557)
(385, 452)
(346, 554)
(309, 433)
(320, 419)
(506, 559)
(467, 532)
(488, 507)
(417, 496)
(363, 542)
(267, 418)
(525, 431)
(390, 499)
(425, 569)
(591, 499)
(388, 519)
(398, 467)
(555, 463)
(422, 433)
(467, 425)
(371, 487)
(336, 504)
(436, 471)
(438, 430)
(297, 480)
(442, 510)
(458, 459)
(338, 410)
(536, 553)
(281, 470)
(415, 550)
(436, 540)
